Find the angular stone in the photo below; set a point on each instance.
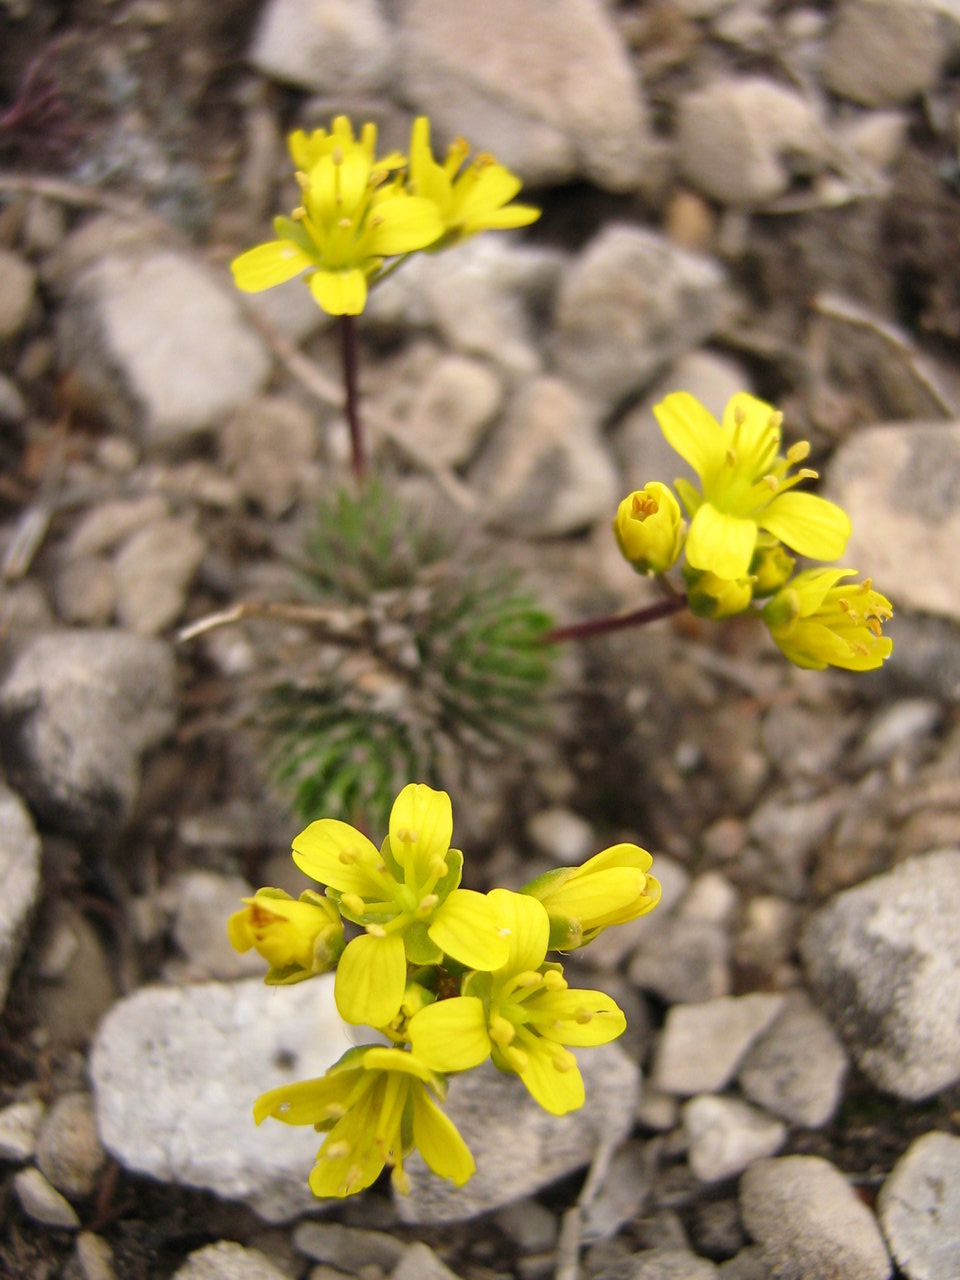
(702, 1045)
(69, 1154)
(683, 961)
(19, 1126)
(884, 960)
(43, 1203)
(205, 900)
(18, 282)
(885, 52)
(176, 1070)
(919, 1208)
(153, 572)
(797, 1067)
(226, 1260)
(19, 882)
(726, 1136)
(325, 46)
(269, 446)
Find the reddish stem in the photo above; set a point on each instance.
(348, 334)
(617, 622)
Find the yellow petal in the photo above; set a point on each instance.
(401, 224)
(618, 855)
(809, 525)
(371, 977)
(465, 927)
(690, 430)
(338, 855)
(524, 922)
(421, 827)
(582, 1017)
(450, 1035)
(439, 1141)
(304, 1102)
(721, 544)
(512, 215)
(556, 1091)
(340, 293)
(268, 264)
(590, 897)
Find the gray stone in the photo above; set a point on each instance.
(797, 1067)
(92, 1259)
(562, 836)
(885, 52)
(683, 961)
(226, 1260)
(518, 1147)
(77, 709)
(456, 402)
(613, 945)
(547, 87)
(13, 407)
(809, 1221)
(18, 282)
(900, 485)
(710, 898)
(919, 1208)
(19, 1126)
(19, 882)
(176, 1070)
(702, 1045)
(748, 1264)
(154, 569)
(348, 1248)
(325, 46)
(902, 725)
(43, 1203)
(725, 1136)
(662, 1263)
(884, 959)
(790, 832)
(107, 524)
(168, 370)
(85, 590)
(630, 304)
(741, 139)
(269, 446)
(204, 902)
(69, 1154)
(530, 1225)
(76, 976)
(419, 1262)
(546, 470)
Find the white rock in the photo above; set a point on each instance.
(19, 882)
(69, 1154)
(19, 1126)
(630, 304)
(547, 86)
(726, 1136)
(919, 1208)
(107, 524)
(740, 139)
(18, 282)
(226, 1260)
(205, 901)
(85, 590)
(348, 1248)
(797, 1067)
(176, 1071)
(153, 570)
(711, 897)
(164, 345)
(419, 1262)
(683, 961)
(702, 1045)
(884, 959)
(457, 401)
(563, 836)
(325, 46)
(809, 1221)
(42, 1203)
(669, 1263)
(885, 52)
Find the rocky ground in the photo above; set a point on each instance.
(737, 194)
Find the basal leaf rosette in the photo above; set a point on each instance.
(405, 896)
(376, 1105)
(523, 1014)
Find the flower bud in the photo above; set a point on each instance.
(649, 528)
(298, 938)
(711, 597)
(771, 566)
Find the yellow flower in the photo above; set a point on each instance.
(610, 888)
(709, 596)
(523, 1014)
(649, 528)
(405, 896)
(817, 623)
(476, 199)
(375, 1105)
(351, 218)
(771, 565)
(745, 486)
(298, 938)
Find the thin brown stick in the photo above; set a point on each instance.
(337, 623)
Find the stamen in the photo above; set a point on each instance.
(583, 1016)
(502, 1031)
(775, 421)
(772, 483)
(807, 473)
(564, 1062)
(739, 415)
(797, 452)
(349, 857)
(344, 224)
(875, 627)
(427, 903)
(376, 930)
(299, 213)
(353, 903)
(438, 866)
(407, 837)
(553, 981)
(643, 505)
(303, 180)
(336, 155)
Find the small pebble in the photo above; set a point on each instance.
(43, 1203)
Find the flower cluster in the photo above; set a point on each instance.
(358, 210)
(746, 519)
(449, 977)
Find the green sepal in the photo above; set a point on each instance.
(548, 880)
(477, 984)
(420, 950)
(290, 229)
(287, 977)
(447, 883)
(565, 934)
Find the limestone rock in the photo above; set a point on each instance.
(19, 882)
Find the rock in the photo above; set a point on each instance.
(790, 831)
(77, 709)
(741, 139)
(726, 1136)
(657, 1111)
(19, 1126)
(809, 1221)
(549, 89)
(454, 405)
(663, 1263)
(76, 977)
(899, 485)
(13, 407)
(518, 1147)
(325, 46)
(885, 52)
(545, 470)
(18, 282)
(530, 1225)
(167, 371)
(562, 836)
(204, 902)
(419, 1262)
(919, 1208)
(609, 948)
(42, 1203)
(85, 591)
(226, 1260)
(683, 961)
(269, 446)
(108, 524)
(69, 1154)
(19, 882)
(92, 1259)
(630, 304)
(901, 726)
(797, 1067)
(711, 898)
(928, 656)
(884, 959)
(176, 1070)
(154, 569)
(348, 1248)
(702, 1045)
(748, 1264)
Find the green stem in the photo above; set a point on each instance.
(591, 627)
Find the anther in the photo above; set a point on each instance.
(731, 457)
(739, 415)
(376, 930)
(772, 483)
(775, 421)
(797, 452)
